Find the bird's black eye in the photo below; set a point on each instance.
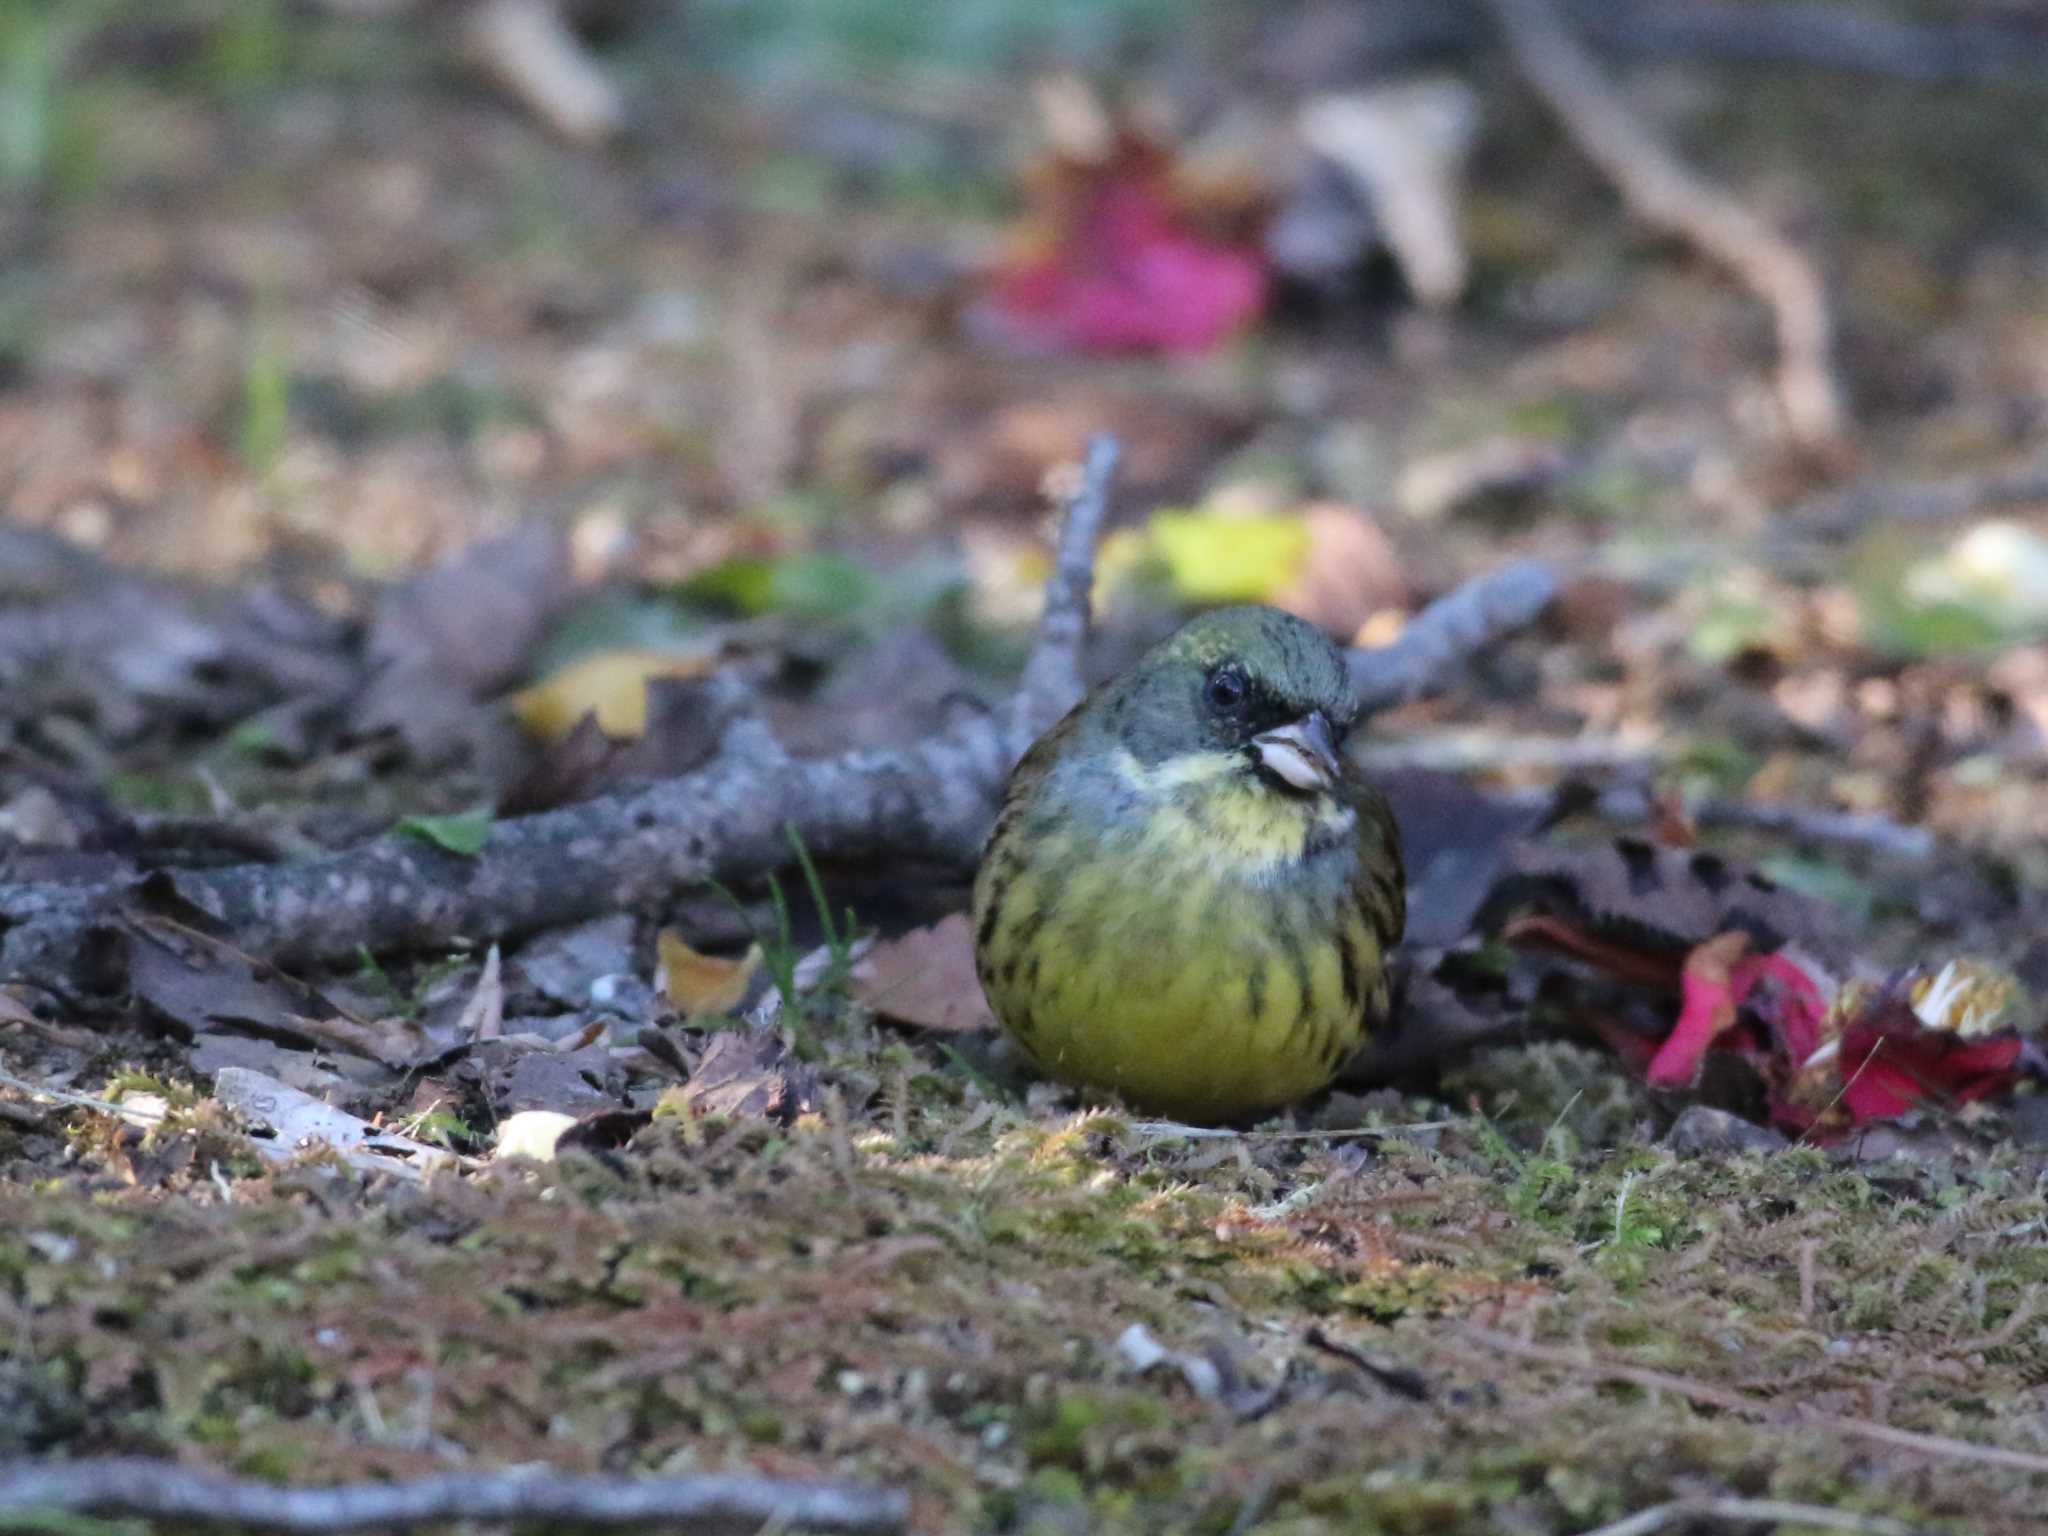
(1225, 690)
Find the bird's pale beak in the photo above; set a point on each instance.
(1303, 752)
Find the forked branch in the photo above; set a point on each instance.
(727, 821)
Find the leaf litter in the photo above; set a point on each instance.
(836, 1230)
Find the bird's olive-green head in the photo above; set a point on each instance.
(1251, 683)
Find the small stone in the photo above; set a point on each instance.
(627, 996)
(1703, 1131)
(565, 964)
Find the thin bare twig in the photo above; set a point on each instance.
(1942, 1447)
(1838, 514)
(1171, 1130)
(65, 1096)
(1054, 671)
(699, 1505)
(1390, 35)
(1864, 831)
(1403, 1380)
(1668, 195)
(1770, 1511)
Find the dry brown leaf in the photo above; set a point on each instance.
(200, 982)
(750, 1077)
(1352, 571)
(483, 1016)
(1406, 145)
(927, 978)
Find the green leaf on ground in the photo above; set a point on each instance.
(466, 833)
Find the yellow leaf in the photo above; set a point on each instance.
(1118, 558)
(1220, 559)
(696, 984)
(612, 685)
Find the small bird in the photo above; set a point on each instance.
(1190, 896)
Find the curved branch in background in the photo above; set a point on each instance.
(528, 47)
(1995, 44)
(729, 820)
(1963, 48)
(1668, 195)
(1885, 499)
(696, 1506)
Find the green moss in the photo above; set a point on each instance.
(924, 1303)
(1871, 1307)
(1930, 1277)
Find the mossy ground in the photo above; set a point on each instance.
(296, 288)
(930, 1294)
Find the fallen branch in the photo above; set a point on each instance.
(1474, 749)
(1818, 1517)
(728, 821)
(1668, 195)
(1630, 802)
(156, 1490)
(1454, 627)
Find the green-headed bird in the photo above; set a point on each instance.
(1190, 896)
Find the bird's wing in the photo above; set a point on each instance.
(1382, 881)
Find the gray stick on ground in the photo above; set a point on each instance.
(730, 820)
(699, 1506)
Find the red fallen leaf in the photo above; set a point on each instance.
(1722, 980)
(1707, 988)
(1837, 1057)
(1115, 265)
(1920, 1038)
(1889, 1074)
(1833, 1056)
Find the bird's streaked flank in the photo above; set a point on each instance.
(1190, 896)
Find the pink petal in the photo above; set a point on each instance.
(1707, 1008)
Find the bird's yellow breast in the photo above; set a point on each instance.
(1194, 958)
